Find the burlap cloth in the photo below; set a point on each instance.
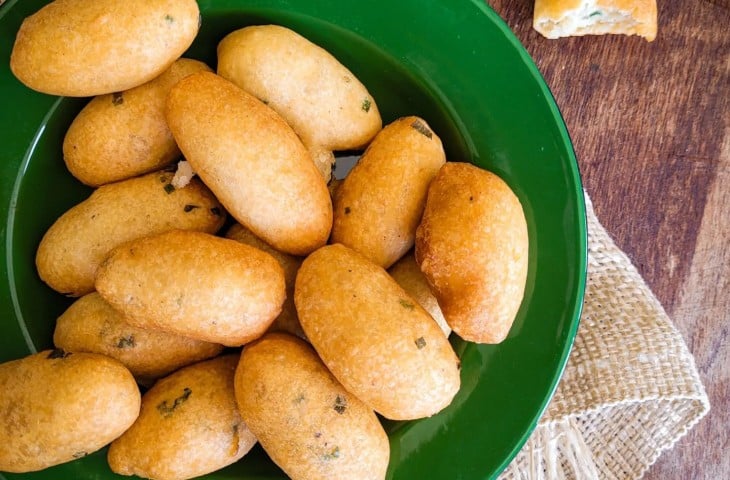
(630, 389)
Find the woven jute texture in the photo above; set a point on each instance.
(630, 389)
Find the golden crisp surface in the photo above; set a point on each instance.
(79, 48)
(78, 241)
(379, 204)
(376, 339)
(124, 134)
(409, 276)
(287, 321)
(57, 406)
(252, 160)
(188, 426)
(194, 284)
(472, 246)
(325, 104)
(304, 418)
(91, 325)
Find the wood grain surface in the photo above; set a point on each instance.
(650, 124)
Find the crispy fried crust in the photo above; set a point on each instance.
(194, 284)
(91, 325)
(304, 418)
(319, 97)
(472, 246)
(287, 321)
(252, 160)
(80, 49)
(124, 134)
(409, 276)
(376, 339)
(78, 241)
(58, 406)
(189, 425)
(379, 204)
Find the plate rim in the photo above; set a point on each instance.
(582, 260)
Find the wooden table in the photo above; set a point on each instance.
(650, 123)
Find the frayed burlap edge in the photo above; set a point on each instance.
(630, 389)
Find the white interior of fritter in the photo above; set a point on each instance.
(589, 18)
(183, 174)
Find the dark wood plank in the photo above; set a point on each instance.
(703, 316)
(651, 127)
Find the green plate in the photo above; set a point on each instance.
(454, 63)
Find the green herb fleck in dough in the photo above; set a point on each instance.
(366, 105)
(340, 404)
(335, 453)
(189, 208)
(420, 342)
(167, 409)
(169, 19)
(125, 342)
(58, 353)
(595, 14)
(169, 188)
(117, 98)
(421, 128)
(216, 211)
(300, 398)
(406, 304)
